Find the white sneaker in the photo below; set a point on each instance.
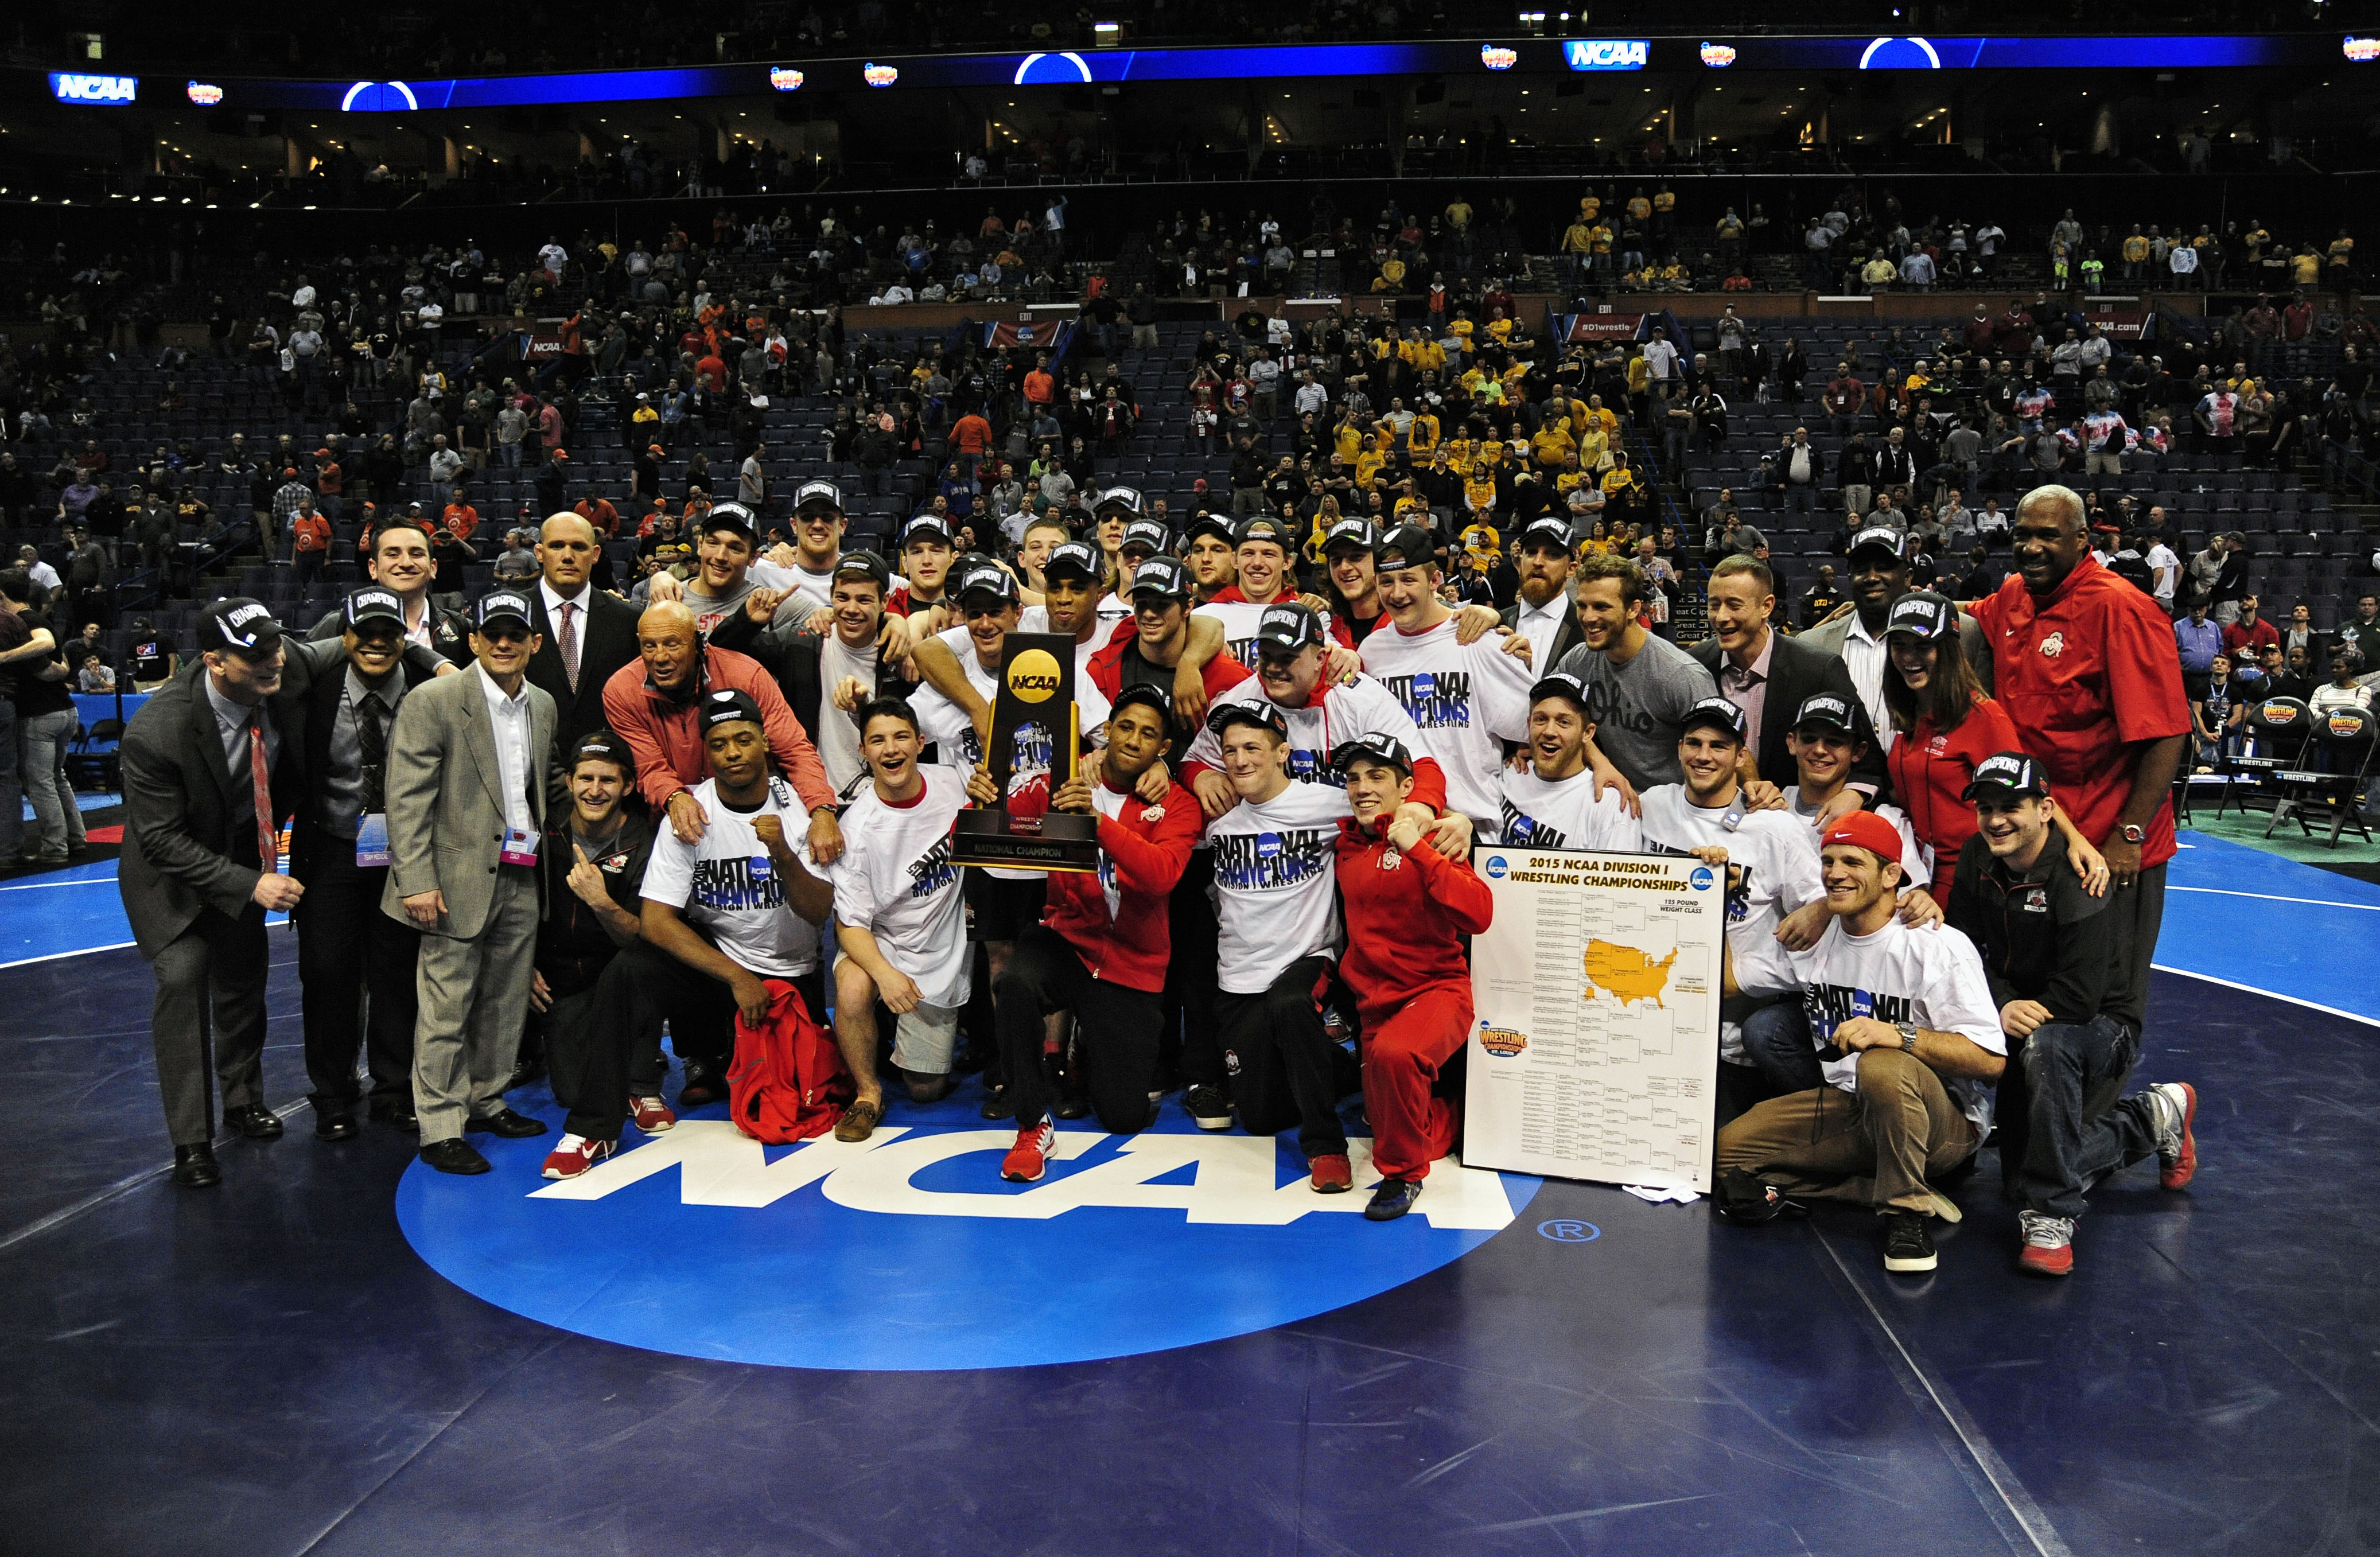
(2049, 1244)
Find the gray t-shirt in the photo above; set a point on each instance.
(1639, 709)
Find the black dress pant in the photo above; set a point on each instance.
(208, 1023)
(1188, 1031)
(1115, 1032)
(356, 966)
(590, 1036)
(1284, 1068)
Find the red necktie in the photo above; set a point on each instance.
(260, 775)
(569, 644)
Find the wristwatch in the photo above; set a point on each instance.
(2134, 832)
(1908, 1031)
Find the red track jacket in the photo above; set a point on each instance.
(1145, 848)
(1406, 916)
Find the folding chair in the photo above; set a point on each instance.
(2343, 739)
(2280, 727)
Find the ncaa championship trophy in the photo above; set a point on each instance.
(1032, 755)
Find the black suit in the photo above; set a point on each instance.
(346, 947)
(189, 873)
(607, 639)
(1566, 639)
(1796, 671)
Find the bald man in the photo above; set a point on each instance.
(586, 634)
(654, 702)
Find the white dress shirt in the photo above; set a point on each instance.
(1864, 655)
(509, 719)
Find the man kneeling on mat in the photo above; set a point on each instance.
(1103, 944)
(1904, 1023)
(1408, 909)
(737, 907)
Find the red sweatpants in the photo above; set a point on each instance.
(1412, 1128)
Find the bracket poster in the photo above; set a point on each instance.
(1594, 1048)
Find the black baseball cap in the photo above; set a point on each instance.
(502, 605)
(1354, 535)
(726, 706)
(1922, 612)
(1263, 527)
(1211, 524)
(818, 495)
(1125, 498)
(1289, 625)
(1261, 714)
(1825, 708)
(1883, 536)
(988, 580)
(605, 747)
(240, 624)
(1148, 695)
(371, 604)
(1377, 747)
(862, 564)
(1716, 713)
(1144, 532)
(2011, 771)
(1562, 684)
(1162, 576)
(1075, 556)
(730, 515)
(1552, 534)
(926, 526)
(1408, 546)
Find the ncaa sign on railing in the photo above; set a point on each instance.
(1606, 53)
(69, 87)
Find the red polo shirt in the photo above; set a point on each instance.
(2086, 676)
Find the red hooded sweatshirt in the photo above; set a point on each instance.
(1142, 851)
(1406, 916)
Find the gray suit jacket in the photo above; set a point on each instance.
(445, 803)
(1829, 635)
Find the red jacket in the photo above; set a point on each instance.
(1406, 916)
(1144, 851)
(664, 738)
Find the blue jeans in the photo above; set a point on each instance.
(12, 787)
(2058, 1139)
(56, 816)
(1777, 1041)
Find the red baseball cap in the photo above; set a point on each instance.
(1867, 831)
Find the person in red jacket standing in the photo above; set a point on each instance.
(1102, 946)
(1408, 908)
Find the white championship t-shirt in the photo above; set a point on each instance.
(728, 885)
(1466, 699)
(1932, 977)
(1362, 707)
(1276, 885)
(1562, 814)
(1772, 870)
(838, 736)
(896, 879)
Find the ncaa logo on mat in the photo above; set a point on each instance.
(907, 1251)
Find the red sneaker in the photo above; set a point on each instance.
(651, 1114)
(2049, 1244)
(574, 1156)
(2176, 1103)
(1331, 1173)
(1029, 1158)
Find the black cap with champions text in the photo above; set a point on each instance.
(1161, 576)
(926, 526)
(1562, 685)
(1544, 535)
(603, 746)
(1289, 625)
(502, 605)
(991, 580)
(240, 624)
(1880, 538)
(815, 495)
(2011, 771)
(1148, 695)
(1408, 546)
(1828, 709)
(373, 604)
(1123, 499)
(1923, 614)
(1262, 715)
(1264, 528)
(1374, 748)
(1354, 535)
(1714, 713)
(1145, 534)
(731, 516)
(726, 706)
(1078, 558)
(863, 564)
(1212, 524)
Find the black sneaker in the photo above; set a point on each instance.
(1391, 1198)
(1908, 1242)
(1208, 1108)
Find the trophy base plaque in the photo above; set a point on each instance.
(1053, 841)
